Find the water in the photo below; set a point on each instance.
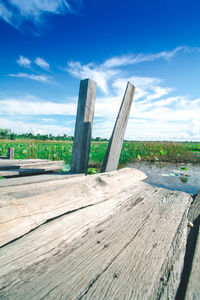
(181, 177)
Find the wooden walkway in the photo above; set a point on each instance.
(23, 167)
(105, 236)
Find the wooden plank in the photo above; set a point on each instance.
(20, 181)
(22, 161)
(41, 164)
(19, 216)
(30, 171)
(7, 167)
(29, 167)
(111, 159)
(83, 127)
(135, 252)
(10, 154)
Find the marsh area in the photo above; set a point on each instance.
(181, 177)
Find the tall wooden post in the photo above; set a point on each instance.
(10, 154)
(111, 159)
(83, 127)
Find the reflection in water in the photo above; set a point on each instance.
(182, 177)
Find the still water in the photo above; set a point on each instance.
(181, 177)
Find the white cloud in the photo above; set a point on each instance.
(16, 11)
(92, 71)
(40, 78)
(28, 107)
(24, 62)
(156, 114)
(159, 119)
(105, 73)
(42, 63)
(23, 127)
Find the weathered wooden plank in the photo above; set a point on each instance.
(83, 127)
(29, 167)
(25, 190)
(128, 255)
(111, 159)
(7, 167)
(42, 163)
(193, 289)
(20, 181)
(10, 154)
(26, 171)
(18, 216)
(21, 161)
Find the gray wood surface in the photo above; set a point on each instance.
(36, 179)
(193, 252)
(127, 246)
(193, 289)
(22, 161)
(26, 171)
(22, 209)
(112, 156)
(83, 127)
(20, 167)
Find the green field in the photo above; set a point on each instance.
(131, 151)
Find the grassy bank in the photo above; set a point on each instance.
(131, 151)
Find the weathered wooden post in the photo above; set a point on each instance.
(10, 154)
(111, 159)
(83, 127)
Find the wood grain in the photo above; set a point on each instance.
(127, 247)
(18, 215)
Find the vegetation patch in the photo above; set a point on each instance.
(131, 151)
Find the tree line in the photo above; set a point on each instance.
(9, 135)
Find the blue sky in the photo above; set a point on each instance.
(48, 46)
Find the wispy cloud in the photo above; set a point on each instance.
(17, 11)
(40, 78)
(5, 13)
(42, 63)
(24, 61)
(110, 68)
(141, 57)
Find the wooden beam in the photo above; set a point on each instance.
(111, 159)
(10, 154)
(83, 127)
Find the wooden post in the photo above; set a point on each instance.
(83, 127)
(111, 159)
(10, 154)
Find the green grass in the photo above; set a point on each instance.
(131, 151)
